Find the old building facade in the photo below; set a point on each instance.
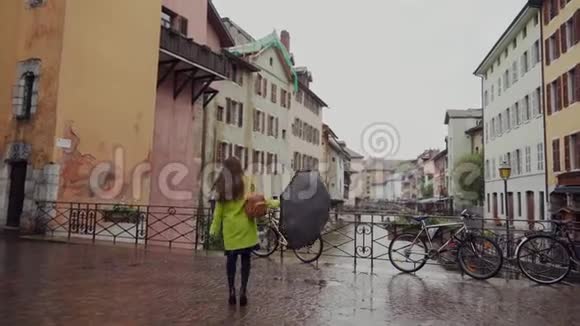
(511, 77)
(561, 83)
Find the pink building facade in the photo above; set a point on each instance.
(176, 160)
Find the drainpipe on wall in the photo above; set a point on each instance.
(200, 203)
(543, 105)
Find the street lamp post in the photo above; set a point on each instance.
(505, 172)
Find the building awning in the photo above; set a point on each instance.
(564, 190)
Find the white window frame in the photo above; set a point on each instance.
(540, 150)
(528, 152)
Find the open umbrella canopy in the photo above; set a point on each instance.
(305, 208)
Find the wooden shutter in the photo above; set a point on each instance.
(546, 10)
(577, 83)
(263, 116)
(557, 42)
(240, 115)
(576, 27)
(559, 94)
(258, 85)
(577, 150)
(549, 99)
(555, 7)
(562, 3)
(290, 99)
(265, 88)
(565, 89)
(547, 52)
(563, 38)
(556, 155)
(567, 153)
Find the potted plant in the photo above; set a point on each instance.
(122, 214)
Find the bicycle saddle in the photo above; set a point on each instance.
(420, 218)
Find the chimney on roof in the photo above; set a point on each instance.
(285, 39)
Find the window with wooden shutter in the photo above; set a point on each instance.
(256, 162)
(240, 115)
(567, 153)
(577, 26)
(246, 159)
(558, 94)
(283, 97)
(546, 10)
(576, 146)
(576, 85)
(259, 84)
(269, 163)
(563, 38)
(565, 101)
(538, 96)
(289, 100)
(265, 88)
(556, 45)
(547, 51)
(274, 93)
(556, 155)
(276, 127)
(228, 110)
(549, 99)
(256, 120)
(262, 163)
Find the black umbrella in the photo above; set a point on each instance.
(305, 208)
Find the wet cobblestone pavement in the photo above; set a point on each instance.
(64, 284)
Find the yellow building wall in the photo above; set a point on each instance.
(107, 95)
(567, 121)
(28, 33)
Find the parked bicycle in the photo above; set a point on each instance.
(477, 256)
(270, 237)
(548, 257)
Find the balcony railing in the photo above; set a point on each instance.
(196, 53)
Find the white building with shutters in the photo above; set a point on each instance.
(249, 117)
(511, 75)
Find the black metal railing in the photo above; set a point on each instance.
(161, 225)
(199, 54)
(360, 235)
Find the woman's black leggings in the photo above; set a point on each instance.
(232, 260)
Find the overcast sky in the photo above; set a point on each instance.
(404, 62)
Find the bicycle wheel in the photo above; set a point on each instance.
(268, 241)
(544, 259)
(479, 257)
(408, 253)
(311, 252)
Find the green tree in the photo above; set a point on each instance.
(468, 177)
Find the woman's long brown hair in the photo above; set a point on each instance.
(230, 183)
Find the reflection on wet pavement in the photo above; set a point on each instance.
(63, 284)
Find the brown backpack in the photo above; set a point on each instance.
(256, 206)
